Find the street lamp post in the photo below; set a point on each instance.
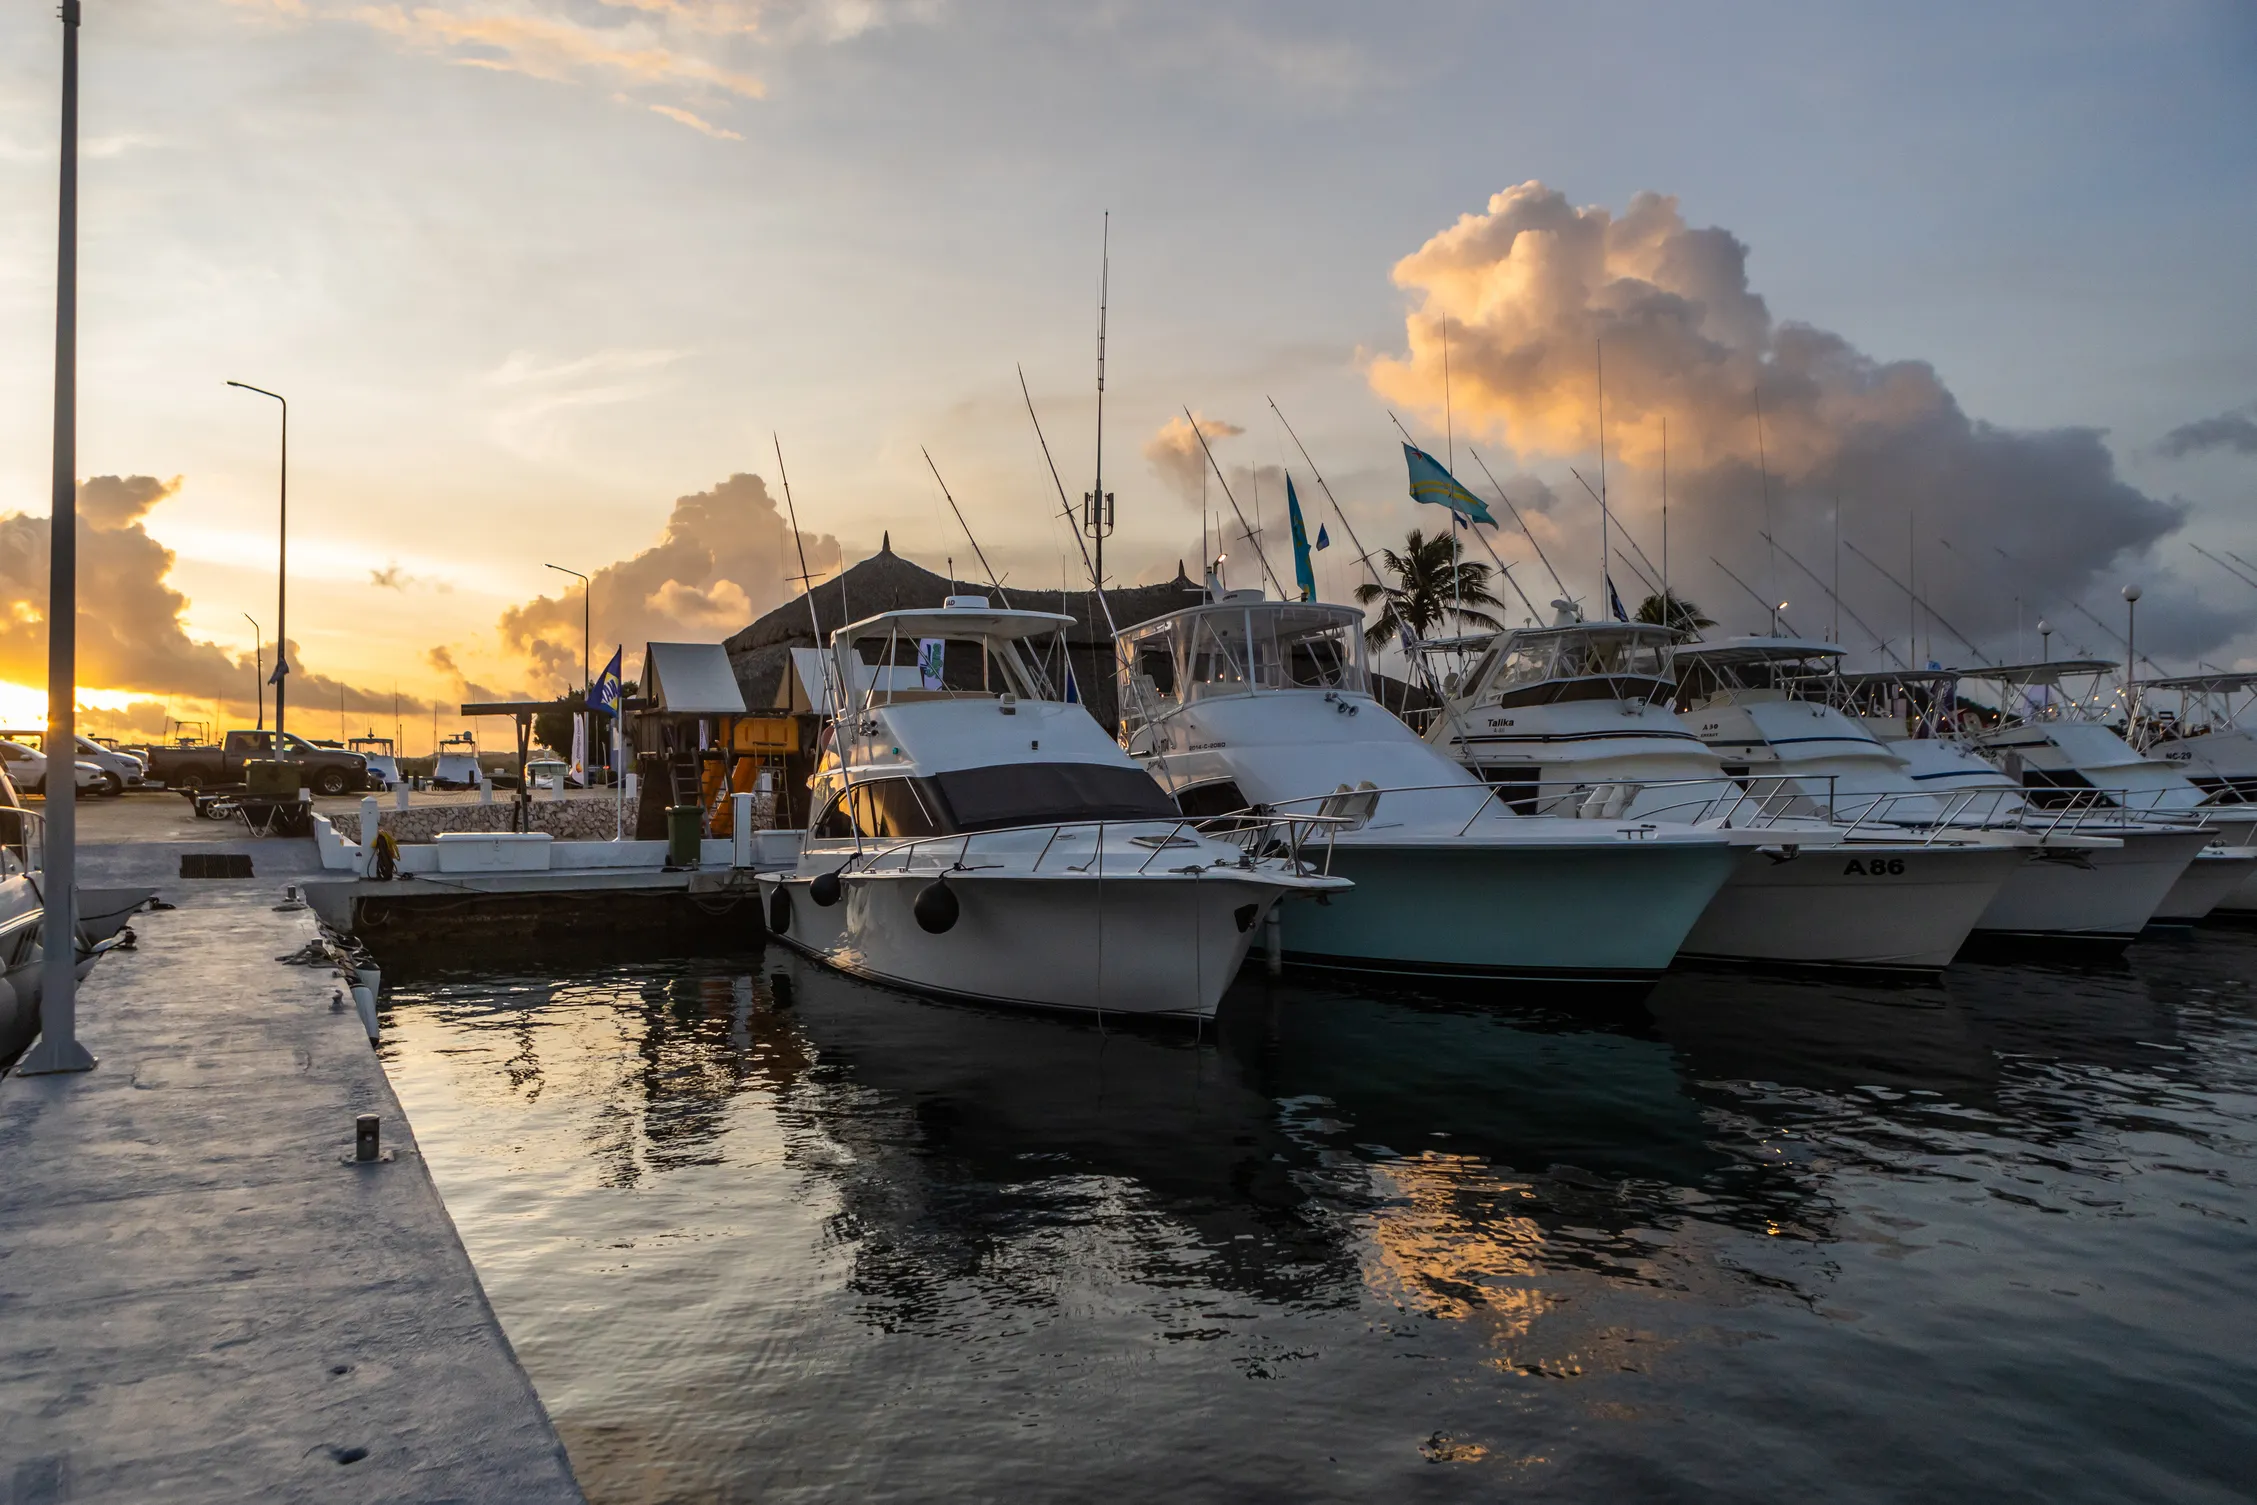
(2131, 660)
(58, 1048)
(281, 574)
(587, 590)
(258, 666)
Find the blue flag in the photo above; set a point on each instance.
(1614, 599)
(1073, 691)
(603, 695)
(1323, 541)
(1304, 573)
(1431, 483)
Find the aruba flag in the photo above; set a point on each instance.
(1431, 483)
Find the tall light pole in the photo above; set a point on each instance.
(58, 1048)
(586, 590)
(258, 666)
(281, 575)
(2131, 661)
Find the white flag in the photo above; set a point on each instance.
(580, 746)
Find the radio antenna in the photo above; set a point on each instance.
(1097, 507)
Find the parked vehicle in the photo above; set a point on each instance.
(325, 770)
(27, 769)
(383, 766)
(121, 770)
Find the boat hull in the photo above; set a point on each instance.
(1164, 945)
(1604, 913)
(2208, 881)
(1879, 908)
(2097, 893)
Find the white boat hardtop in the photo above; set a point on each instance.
(1243, 703)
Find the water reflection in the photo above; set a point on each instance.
(1496, 1237)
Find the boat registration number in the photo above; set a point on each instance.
(1878, 867)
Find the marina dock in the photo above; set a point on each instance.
(206, 1297)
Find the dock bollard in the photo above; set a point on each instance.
(366, 1136)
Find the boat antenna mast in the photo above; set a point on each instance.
(1097, 505)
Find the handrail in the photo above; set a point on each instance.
(1253, 841)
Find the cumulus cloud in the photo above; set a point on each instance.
(1533, 292)
(130, 633)
(2234, 432)
(1174, 452)
(724, 558)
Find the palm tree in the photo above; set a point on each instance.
(1681, 614)
(1432, 585)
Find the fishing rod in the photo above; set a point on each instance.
(1259, 552)
(1769, 609)
(1879, 641)
(1557, 583)
(1362, 557)
(1649, 574)
(807, 580)
(967, 527)
(1475, 529)
(2220, 563)
(1938, 616)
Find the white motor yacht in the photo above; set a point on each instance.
(981, 837)
(2052, 737)
(1578, 714)
(2203, 736)
(1248, 703)
(2102, 872)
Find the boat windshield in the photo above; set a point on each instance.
(1230, 649)
(991, 799)
(1586, 663)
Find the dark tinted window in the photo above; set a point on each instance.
(1157, 664)
(883, 809)
(1210, 799)
(1027, 794)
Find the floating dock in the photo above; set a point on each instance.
(202, 1297)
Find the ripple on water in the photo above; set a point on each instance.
(1759, 1237)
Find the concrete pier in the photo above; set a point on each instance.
(198, 1300)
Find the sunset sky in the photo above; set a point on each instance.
(531, 271)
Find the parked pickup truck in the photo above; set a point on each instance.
(326, 770)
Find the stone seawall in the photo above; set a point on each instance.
(566, 820)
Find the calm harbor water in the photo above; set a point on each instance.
(1756, 1238)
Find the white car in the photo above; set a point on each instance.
(27, 770)
(121, 770)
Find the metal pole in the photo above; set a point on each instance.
(258, 666)
(58, 1048)
(281, 576)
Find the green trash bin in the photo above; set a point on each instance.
(271, 778)
(685, 828)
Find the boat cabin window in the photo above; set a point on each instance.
(1033, 794)
(1205, 800)
(892, 669)
(1541, 668)
(989, 799)
(1230, 651)
(881, 809)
